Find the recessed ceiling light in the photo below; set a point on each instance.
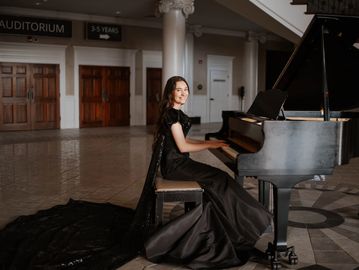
(37, 3)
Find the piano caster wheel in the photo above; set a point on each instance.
(292, 258)
(269, 255)
(275, 265)
(273, 256)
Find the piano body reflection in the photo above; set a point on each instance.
(305, 126)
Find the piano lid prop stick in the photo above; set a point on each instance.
(325, 82)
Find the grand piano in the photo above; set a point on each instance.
(304, 127)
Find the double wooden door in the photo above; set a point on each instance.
(104, 96)
(29, 96)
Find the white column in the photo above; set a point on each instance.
(251, 48)
(188, 71)
(174, 13)
(251, 52)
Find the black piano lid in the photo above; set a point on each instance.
(302, 76)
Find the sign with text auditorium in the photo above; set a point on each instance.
(35, 26)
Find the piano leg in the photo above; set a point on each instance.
(281, 197)
(263, 193)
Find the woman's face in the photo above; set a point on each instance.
(180, 94)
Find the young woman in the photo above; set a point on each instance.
(225, 231)
(87, 235)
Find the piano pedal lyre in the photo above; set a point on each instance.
(274, 256)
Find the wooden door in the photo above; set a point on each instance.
(91, 97)
(104, 96)
(44, 97)
(29, 96)
(154, 91)
(117, 91)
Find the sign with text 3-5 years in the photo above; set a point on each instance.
(99, 31)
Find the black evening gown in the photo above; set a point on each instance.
(87, 235)
(220, 236)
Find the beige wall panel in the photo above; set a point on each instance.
(217, 45)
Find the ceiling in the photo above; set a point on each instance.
(208, 13)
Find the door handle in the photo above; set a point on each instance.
(104, 96)
(211, 99)
(30, 94)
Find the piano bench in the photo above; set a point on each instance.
(188, 192)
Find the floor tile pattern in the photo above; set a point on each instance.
(40, 169)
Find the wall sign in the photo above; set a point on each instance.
(99, 31)
(35, 26)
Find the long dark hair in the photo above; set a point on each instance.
(166, 102)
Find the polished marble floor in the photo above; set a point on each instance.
(40, 169)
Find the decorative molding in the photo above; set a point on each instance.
(187, 6)
(336, 7)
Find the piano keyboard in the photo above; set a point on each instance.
(230, 152)
(251, 120)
